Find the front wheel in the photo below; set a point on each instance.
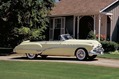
(31, 56)
(81, 54)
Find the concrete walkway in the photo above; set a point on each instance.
(97, 61)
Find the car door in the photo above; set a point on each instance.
(52, 48)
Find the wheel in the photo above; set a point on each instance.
(81, 54)
(31, 56)
(92, 57)
(43, 56)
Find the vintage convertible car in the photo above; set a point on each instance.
(67, 46)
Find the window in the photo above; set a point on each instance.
(57, 27)
(58, 23)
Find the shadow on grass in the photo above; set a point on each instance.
(53, 58)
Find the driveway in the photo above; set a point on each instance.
(97, 61)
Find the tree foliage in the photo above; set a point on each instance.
(23, 19)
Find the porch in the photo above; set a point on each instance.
(80, 25)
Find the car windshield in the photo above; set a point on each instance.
(66, 37)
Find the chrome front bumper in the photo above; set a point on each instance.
(97, 51)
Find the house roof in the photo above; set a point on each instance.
(80, 7)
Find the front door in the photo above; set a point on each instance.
(86, 24)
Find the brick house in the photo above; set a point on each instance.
(79, 17)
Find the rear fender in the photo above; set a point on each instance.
(34, 48)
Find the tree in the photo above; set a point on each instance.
(23, 19)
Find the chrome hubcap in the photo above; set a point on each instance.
(81, 54)
(31, 56)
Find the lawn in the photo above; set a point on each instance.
(44, 70)
(110, 56)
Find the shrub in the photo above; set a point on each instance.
(109, 46)
(102, 37)
(91, 35)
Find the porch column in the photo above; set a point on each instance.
(110, 16)
(78, 22)
(99, 27)
(111, 31)
(78, 27)
(74, 26)
(94, 24)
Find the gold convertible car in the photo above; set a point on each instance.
(66, 46)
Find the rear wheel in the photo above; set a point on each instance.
(31, 56)
(81, 54)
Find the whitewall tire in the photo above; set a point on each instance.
(81, 54)
(31, 56)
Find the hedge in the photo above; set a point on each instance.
(109, 46)
(5, 51)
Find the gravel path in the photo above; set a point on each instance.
(98, 61)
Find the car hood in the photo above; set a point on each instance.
(93, 42)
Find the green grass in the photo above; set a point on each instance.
(110, 56)
(44, 70)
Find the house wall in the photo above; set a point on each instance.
(115, 21)
(103, 24)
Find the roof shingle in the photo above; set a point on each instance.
(79, 7)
